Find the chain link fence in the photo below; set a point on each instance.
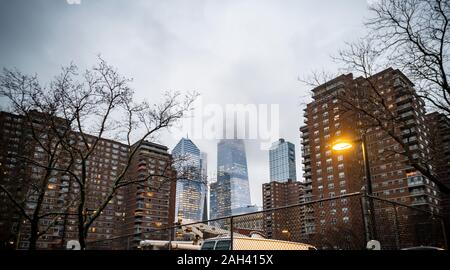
(398, 226)
(347, 222)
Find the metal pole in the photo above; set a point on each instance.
(397, 228)
(365, 219)
(170, 239)
(366, 165)
(444, 234)
(368, 189)
(231, 234)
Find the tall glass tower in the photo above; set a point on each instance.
(204, 174)
(232, 190)
(282, 161)
(191, 193)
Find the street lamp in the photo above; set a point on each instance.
(341, 145)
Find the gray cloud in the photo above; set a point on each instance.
(234, 51)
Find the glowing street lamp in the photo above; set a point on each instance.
(341, 145)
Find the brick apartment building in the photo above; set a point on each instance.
(439, 126)
(328, 173)
(286, 224)
(150, 206)
(105, 163)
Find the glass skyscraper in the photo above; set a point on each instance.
(282, 161)
(232, 190)
(204, 173)
(191, 193)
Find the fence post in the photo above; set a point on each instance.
(444, 234)
(231, 234)
(364, 215)
(397, 228)
(170, 238)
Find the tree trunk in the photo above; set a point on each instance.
(81, 234)
(81, 237)
(33, 234)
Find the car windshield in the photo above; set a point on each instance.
(223, 245)
(208, 245)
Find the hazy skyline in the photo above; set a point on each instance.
(231, 52)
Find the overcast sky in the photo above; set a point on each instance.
(230, 51)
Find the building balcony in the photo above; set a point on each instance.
(407, 115)
(418, 202)
(416, 183)
(405, 108)
(402, 100)
(417, 192)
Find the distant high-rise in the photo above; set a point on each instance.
(231, 191)
(282, 161)
(191, 193)
(204, 174)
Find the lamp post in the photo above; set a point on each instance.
(341, 145)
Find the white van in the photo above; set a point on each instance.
(249, 243)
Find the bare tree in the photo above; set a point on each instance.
(41, 155)
(100, 104)
(414, 36)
